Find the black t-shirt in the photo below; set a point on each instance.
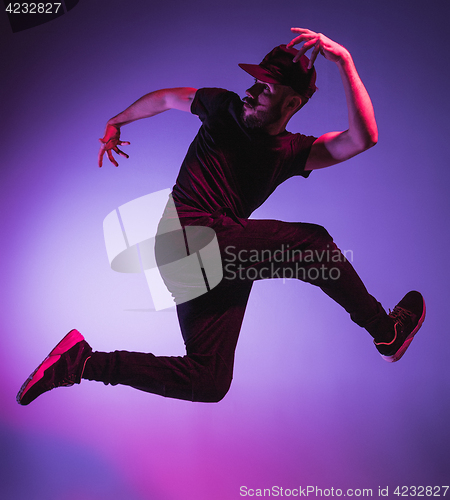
(230, 166)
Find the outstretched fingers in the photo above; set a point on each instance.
(309, 39)
(314, 54)
(120, 152)
(301, 32)
(101, 153)
(319, 43)
(304, 35)
(109, 146)
(111, 158)
(305, 47)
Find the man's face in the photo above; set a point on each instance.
(263, 105)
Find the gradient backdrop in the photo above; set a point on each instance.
(312, 403)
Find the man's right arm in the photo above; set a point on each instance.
(149, 105)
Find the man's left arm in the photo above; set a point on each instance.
(362, 132)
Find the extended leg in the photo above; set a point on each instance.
(265, 249)
(274, 249)
(210, 326)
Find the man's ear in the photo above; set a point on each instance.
(294, 103)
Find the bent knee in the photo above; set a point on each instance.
(322, 234)
(212, 378)
(212, 392)
(318, 237)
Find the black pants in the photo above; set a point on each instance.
(210, 324)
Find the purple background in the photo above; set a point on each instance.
(312, 403)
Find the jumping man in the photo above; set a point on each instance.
(241, 153)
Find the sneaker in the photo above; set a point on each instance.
(64, 366)
(408, 316)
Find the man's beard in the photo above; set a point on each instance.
(260, 119)
(254, 121)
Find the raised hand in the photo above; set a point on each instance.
(109, 143)
(319, 43)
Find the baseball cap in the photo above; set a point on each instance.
(278, 67)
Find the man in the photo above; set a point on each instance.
(241, 153)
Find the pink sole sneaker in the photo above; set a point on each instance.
(409, 315)
(62, 367)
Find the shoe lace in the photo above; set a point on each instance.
(400, 315)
